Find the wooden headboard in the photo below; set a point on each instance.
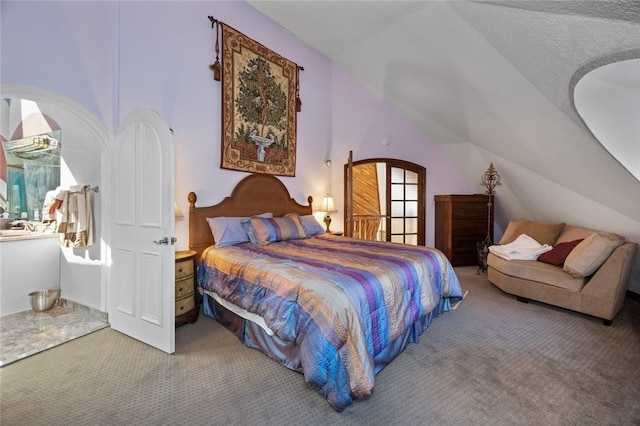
(255, 194)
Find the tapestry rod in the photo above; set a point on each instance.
(215, 21)
(215, 67)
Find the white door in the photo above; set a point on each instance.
(142, 293)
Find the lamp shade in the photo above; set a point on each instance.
(327, 204)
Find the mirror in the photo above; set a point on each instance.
(30, 163)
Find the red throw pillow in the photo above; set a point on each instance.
(558, 254)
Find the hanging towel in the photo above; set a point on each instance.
(49, 207)
(74, 216)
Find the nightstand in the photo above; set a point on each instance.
(186, 307)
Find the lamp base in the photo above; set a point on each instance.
(327, 221)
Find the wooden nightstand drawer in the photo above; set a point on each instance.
(184, 305)
(184, 288)
(184, 268)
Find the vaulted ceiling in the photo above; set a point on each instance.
(492, 81)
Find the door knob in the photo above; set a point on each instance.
(163, 241)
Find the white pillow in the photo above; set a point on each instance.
(228, 231)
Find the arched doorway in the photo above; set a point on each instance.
(388, 202)
(84, 274)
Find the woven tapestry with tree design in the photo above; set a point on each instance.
(258, 107)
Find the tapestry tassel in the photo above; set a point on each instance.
(298, 101)
(215, 67)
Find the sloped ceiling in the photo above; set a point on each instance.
(492, 81)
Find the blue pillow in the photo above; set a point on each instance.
(228, 231)
(311, 225)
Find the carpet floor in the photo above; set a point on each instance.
(491, 361)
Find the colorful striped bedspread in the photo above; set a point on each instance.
(342, 300)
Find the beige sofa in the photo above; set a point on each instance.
(592, 279)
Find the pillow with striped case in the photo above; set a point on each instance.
(262, 231)
(228, 231)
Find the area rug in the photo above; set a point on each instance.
(27, 333)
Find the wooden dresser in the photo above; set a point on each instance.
(187, 308)
(461, 223)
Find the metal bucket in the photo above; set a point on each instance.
(43, 300)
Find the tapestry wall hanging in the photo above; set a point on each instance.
(260, 93)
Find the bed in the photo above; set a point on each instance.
(333, 308)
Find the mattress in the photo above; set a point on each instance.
(350, 305)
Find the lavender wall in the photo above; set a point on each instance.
(361, 122)
(165, 51)
(65, 47)
(113, 57)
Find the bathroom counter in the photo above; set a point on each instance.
(28, 236)
(27, 263)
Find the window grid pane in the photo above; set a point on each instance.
(397, 175)
(411, 192)
(411, 239)
(397, 209)
(411, 209)
(397, 226)
(397, 238)
(397, 192)
(411, 226)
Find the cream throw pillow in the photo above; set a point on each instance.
(591, 253)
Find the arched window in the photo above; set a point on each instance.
(388, 202)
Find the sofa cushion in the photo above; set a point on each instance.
(587, 256)
(544, 233)
(535, 271)
(572, 232)
(558, 254)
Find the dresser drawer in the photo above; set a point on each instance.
(184, 287)
(184, 305)
(187, 306)
(461, 222)
(184, 269)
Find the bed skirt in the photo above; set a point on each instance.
(254, 336)
(286, 352)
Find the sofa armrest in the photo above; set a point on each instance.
(604, 294)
